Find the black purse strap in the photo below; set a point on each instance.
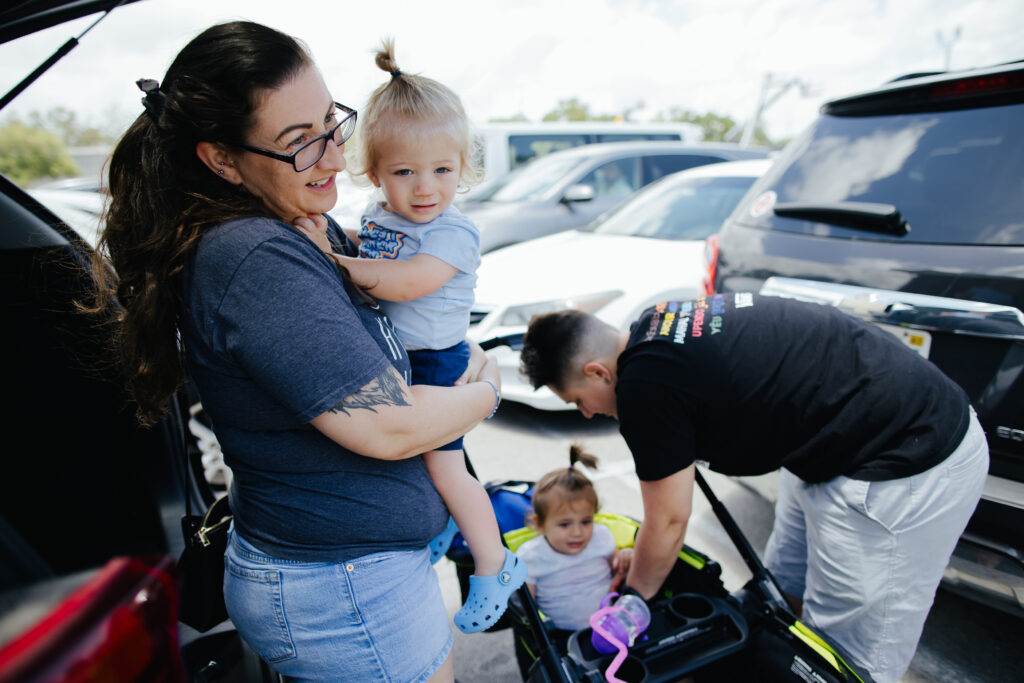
(217, 516)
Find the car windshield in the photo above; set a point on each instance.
(678, 209)
(531, 181)
(956, 177)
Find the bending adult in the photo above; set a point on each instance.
(328, 576)
(882, 458)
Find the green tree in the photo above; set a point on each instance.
(72, 132)
(574, 110)
(517, 118)
(716, 127)
(28, 153)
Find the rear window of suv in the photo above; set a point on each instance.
(955, 176)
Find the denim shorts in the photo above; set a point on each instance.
(379, 617)
(440, 368)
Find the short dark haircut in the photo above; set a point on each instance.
(550, 346)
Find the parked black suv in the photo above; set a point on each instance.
(905, 206)
(90, 503)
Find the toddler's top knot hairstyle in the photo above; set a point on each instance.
(565, 485)
(409, 106)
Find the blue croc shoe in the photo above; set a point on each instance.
(488, 595)
(439, 546)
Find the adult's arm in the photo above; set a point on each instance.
(667, 506)
(289, 325)
(389, 420)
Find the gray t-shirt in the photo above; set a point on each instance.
(570, 587)
(274, 338)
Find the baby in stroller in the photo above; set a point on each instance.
(575, 556)
(574, 563)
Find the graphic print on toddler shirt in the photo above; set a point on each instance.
(379, 242)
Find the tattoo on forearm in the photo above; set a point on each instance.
(385, 390)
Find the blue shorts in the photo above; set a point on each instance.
(440, 368)
(380, 617)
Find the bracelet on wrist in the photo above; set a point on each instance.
(497, 398)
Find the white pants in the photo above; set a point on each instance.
(867, 557)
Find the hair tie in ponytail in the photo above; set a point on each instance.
(155, 98)
(396, 73)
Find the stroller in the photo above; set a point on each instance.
(698, 631)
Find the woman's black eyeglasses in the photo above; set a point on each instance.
(310, 153)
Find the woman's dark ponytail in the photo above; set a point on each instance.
(163, 197)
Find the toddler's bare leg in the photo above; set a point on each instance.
(470, 506)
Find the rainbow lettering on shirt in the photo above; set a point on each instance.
(652, 328)
(379, 242)
(680, 337)
(698, 323)
(700, 307)
(666, 324)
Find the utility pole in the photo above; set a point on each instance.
(947, 46)
(767, 99)
(629, 110)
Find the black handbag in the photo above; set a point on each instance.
(201, 566)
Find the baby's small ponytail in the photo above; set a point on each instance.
(566, 484)
(385, 58)
(578, 455)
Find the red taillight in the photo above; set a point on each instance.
(710, 264)
(978, 85)
(122, 625)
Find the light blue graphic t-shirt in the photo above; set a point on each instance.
(439, 319)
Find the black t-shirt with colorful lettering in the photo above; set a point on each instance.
(750, 384)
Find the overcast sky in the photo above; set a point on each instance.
(523, 56)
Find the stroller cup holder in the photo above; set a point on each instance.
(687, 632)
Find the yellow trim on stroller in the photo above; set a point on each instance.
(623, 530)
(814, 641)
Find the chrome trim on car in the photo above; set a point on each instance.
(1004, 492)
(920, 311)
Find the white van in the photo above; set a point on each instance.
(505, 146)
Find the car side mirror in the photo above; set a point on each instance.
(579, 193)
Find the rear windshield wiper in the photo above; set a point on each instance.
(868, 216)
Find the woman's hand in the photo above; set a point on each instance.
(491, 373)
(477, 360)
(482, 368)
(315, 228)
